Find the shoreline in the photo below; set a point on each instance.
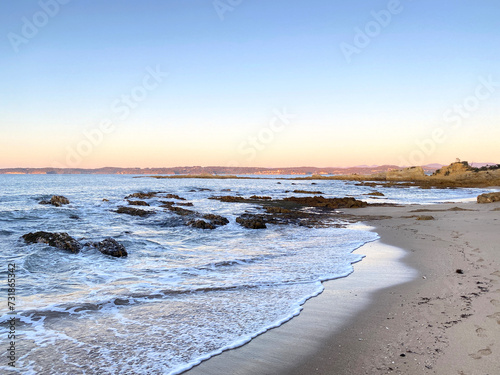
(440, 322)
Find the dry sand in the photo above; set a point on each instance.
(431, 308)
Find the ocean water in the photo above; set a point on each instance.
(183, 294)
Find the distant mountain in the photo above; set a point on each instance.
(198, 170)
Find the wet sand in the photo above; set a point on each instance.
(424, 300)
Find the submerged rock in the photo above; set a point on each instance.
(174, 196)
(202, 224)
(134, 211)
(277, 210)
(488, 198)
(141, 195)
(376, 194)
(60, 240)
(56, 200)
(307, 192)
(251, 221)
(137, 203)
(109, 246)
(186, 204)
(180, 211)
(216, 219)
(332, 203)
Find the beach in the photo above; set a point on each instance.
(424, 300)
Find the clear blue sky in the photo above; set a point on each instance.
(226, 78)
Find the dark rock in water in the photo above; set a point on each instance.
(251, 221)
(229, 198)
(167, 204)
(226, 190)
(332, 203)
(74, 217)
(202, 224)
(277, 210)
(488, 198)
(141, 195)
(61, 240)
(307, 192)
(109, 246)
(174, 196)
(260, 197)
(180, 211)
(216, 219)
(56, 200)
(138, 203)
(134, 211)
(376, 194)
(186, 204)
(105, 200)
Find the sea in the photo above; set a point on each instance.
(183, 294)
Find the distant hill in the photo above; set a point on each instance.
(198, 170)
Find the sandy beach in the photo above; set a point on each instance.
(424, 300)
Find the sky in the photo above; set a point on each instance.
(269, 83)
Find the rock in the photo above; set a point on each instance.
(453, 169)
(138, 203)
(109, 246)
(226, 190)
(167, 204)
(174, 196)
(134, 211)
(332, 203)
(216, 219)
(105, 200)
(277, 210)
(488, 198)
(60, 240)
(180, 211)
(186, 204)
(406, 174)
(260, 197)
(202, 224)
(56, 200)
(141, 195)
(307, 192)
(376, 194)
(229, 198)
(251, 221)
(424, 217)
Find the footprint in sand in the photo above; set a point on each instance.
(481, 353)
(481, 332)
(495, 302)
(495, 316)
(476, 250)
(496, 273)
